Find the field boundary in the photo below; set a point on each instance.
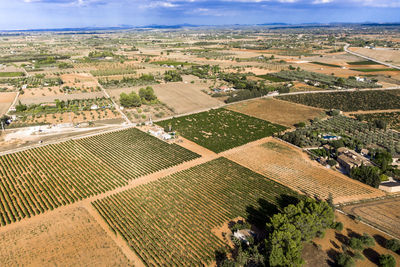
(368, 223)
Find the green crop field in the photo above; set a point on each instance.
(349, 101)
(169, 222)
(11, 74)
(271, 78)
(44, 178)
(325, 64)
(221, 129)
(365, 62)
(375, 70)
(134, 153)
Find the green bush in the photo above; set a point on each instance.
(387, 260)
(367, 240)
(356, 243)
(345, 260)
(393, 245)
(338, 226)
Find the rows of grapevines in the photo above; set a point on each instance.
(221, 129)
(169, 222)
(41, 179)
(134, 153)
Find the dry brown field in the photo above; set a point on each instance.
(69, 237)
(6, 99)
(277, 111)
(182, 97)
(81, 80)
(381, 213)
(384, 55)
(332, 243)
(293, 168)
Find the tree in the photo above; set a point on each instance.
(285, 247)
(387, 260)
(367, 240)
(345, 260)
(383, 159)
(131, 100)
(20, 107)
(172, 76)
(381, 124)
(147, 93)
(393, 245)
(356, 243)
(369, 175)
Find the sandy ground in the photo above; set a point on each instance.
(383, 213)
(81, 80)
(293, 168)
(333, 240)
(384, 55)
(6, 99)
(277, 111)
(70, 237)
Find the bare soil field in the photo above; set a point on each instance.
(381, 213)
(70, 237)
(6, 99)
(277, 111)
(41, 92)
(182, 97)
(333, 241)
(384, 55)
(82, 80)
(292, 167)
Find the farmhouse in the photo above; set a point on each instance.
(349, 159)
(390, 187)
(243, 235)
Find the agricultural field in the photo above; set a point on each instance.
(278, 111)
(68, 237)
(349, 101)
(383, 55)
(44, 178)
(181, 97)
(382, 214)
(221, 129)
(355, 132)
(324, 80)
(392, 119)
(6, 99)
(293, 168)
(36, 180)
(133, 153)
(164, 221)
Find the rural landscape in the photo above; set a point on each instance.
(262, 145)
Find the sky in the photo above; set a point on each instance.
(45, 14)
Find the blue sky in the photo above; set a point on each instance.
(29, 14)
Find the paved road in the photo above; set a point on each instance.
(369, 58)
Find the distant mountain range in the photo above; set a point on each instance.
(275, 25)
